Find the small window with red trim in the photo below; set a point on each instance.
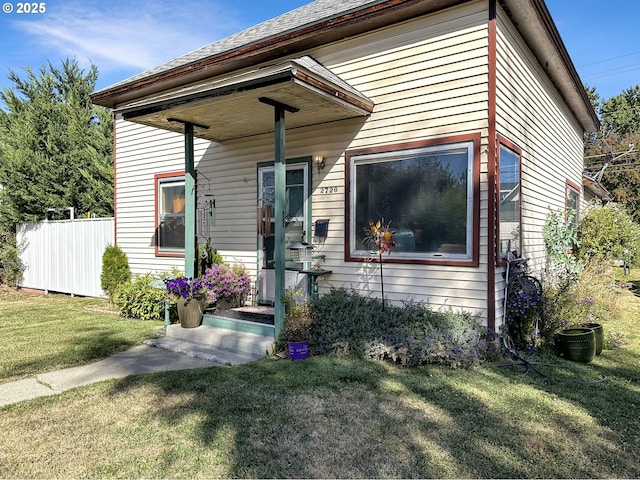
(573, 202)
(170, 203)
(509, 202)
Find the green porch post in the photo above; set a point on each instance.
(280, 188)
(190, 202)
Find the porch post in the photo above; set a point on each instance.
(190, 202)
(280, 186)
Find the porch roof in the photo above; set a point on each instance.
(238, 105)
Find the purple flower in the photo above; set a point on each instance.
(228, 282)
(189, 288)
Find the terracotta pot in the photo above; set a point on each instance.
(190, 315)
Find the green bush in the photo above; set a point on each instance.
(115, 270)
(609, 233)
(11, 267)
(138, 299)
(593, 297)
(348, 324)
(560, 241)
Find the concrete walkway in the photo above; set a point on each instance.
(135, 361)
(180, 349)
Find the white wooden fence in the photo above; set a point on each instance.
(65, 255)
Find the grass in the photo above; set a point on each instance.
(331, 418)
(41, 333)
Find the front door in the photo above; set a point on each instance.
(296, 219)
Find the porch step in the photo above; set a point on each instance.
(226, 347)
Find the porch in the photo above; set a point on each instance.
(228, 337)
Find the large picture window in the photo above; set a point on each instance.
(509, 201)
(170, 203)
(426, 192)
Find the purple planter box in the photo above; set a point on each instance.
(298, 350)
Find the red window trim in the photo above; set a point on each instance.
(475, 248)
(575, 187)
(502, 141)
(156, 177)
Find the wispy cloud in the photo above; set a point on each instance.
(131, 35)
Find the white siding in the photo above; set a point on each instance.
(531, 113)
(428, 79)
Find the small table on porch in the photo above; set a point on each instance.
(313, 275)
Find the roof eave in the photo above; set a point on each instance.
(533, 20)
(351, 23)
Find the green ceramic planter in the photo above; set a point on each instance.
(577, 344)
(597, 328)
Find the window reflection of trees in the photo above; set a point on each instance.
(425, 195)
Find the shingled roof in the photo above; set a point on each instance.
(325, 21)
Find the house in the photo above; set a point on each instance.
(460, 122)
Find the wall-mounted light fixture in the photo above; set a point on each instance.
(318, 161)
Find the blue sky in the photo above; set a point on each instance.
(125, 37)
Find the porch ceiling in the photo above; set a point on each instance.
(231, 108)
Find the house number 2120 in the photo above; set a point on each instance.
(325, 190)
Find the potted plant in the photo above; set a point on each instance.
(297, 323)
(192, 296)
(230, 285)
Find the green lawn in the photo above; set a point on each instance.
(40, 333)
(328, 418)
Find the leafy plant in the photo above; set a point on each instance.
(228, 283)
(115, 269)
(297, 322)
(560, 239)
(592, 297)
(609, 233)
(139, 299)
(11, 267)
(348, 324)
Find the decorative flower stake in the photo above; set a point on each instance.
(381, 235)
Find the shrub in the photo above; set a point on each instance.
(11, 267)
(297, 323)
(560, 240)
(347, 324)
(592, 297)
(609, 233)
(138, 299)
(115, 270)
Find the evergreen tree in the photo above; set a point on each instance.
(56, 147)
